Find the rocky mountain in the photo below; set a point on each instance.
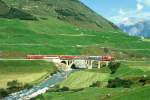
(141, 28)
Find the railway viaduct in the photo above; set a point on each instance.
(70, 60)
(88, 63)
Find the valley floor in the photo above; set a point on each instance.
(79, 84)
(138, 93)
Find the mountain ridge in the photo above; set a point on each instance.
(74, 12)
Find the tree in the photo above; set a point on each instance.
(106, 50)
(113, 66)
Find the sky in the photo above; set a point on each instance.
(121, 11)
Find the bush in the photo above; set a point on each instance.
(65, 88)
(117, 82)
(16, 13)
(113, 66)
(77, 90)
(27, 86)
(13, 86)
(144, 80)
(56, 88)
(127, 83)
(14, 83)
(96, 84)
(3, 93)
(53, 73)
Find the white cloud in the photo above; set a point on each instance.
(126, 19)
(121, 12)
(130, 17)
(139, 7)
(144, 2)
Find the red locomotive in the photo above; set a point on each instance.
(107, 58)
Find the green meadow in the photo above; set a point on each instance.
(30, 72)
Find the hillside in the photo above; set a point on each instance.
(52, 35)
(11, 13)
(72, 11)
(3, 8)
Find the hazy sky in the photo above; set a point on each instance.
(121, 10)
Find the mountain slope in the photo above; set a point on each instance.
(72, 11)
(10, 12)
(3, 8)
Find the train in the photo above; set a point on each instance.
(71, 57)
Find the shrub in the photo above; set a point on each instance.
(3, 93)
(113, 66)
(106, 50)
(127, 83)
(56, 88)
(16, 13)
(65, 88)
(96, 84)
(27, 86)
(117, 82)
(14, 86)
(77, 90)
(144, 80)
(14, 83)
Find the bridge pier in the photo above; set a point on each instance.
(107, 63)
(69, 63)
(88, 63)
(99, 64)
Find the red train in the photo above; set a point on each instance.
(67, 57)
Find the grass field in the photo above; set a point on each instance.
(147, 40)
(138, 93)
(126, 70)
(143, 65)
(84, 79)
(24, 71)
(53, 36)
